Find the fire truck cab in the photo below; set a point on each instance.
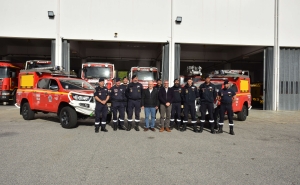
(41, 90)
(92, 71)
(145, 74)
(239, 81)
(8, 81)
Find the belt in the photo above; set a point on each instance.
(134, 99)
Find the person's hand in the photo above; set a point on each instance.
(167, 104)
(156, 107)
(142, 107)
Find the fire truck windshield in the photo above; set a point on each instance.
(75, 84)
(3, 72)
(146, 75)
(97, 72)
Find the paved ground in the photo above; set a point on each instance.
(265, 150)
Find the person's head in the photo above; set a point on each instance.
(166, 83)
(125, 80)
(226, 84)
(176, 82)
(207, 79)
(150, 84)
(118, 82)
(190, 82)
(101, 82)
(134, 79)
(159, 82)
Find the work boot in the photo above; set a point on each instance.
(201, 127)
(171, 125)
(115, 126)
(178, 126)
(195, 128)
(212, 128)
(129, 126)
(183, 127)
(97, 128)
(220, 131)
(103, 128)
(231, 130)
(122, 127)
(137, 127)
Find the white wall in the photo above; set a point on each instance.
(289, 23)
(233, 22)
(27, 18)
(133, 20)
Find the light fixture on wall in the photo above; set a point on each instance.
(51, 14)
(116, 35)
(178, 19)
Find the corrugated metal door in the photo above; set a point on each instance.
(177, 61)
(289, 79)
(268, 79)
(165, 62)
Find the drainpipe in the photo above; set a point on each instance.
(276, 59)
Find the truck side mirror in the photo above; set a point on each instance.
(54, 87)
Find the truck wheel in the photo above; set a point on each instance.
(68, 117)
(108, 118)
(243, 114)
(27, 113)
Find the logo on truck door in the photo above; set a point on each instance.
(50, 98)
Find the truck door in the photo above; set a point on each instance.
(53, 96)
(41, 95)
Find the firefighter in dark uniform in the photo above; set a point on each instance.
(189, 94)
(101, 96)
(207, 92)
(176, 105)
(134, 96)
(124, 85)
(226, 96)
(117, 94)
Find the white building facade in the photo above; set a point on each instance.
(213, 34)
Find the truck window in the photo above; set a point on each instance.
(234, 88)
(53, 83)
(43, 84)
(3, 72)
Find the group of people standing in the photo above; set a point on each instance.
(131, 98)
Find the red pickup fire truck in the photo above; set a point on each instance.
(41, 90)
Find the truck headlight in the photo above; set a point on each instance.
(81, 97)
(5, 93)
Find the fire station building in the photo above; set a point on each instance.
(259, 36)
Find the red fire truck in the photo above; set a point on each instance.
(92, 71)
(145, 74)
(239, 81)
(41, 90)
(8, 80)
(192, 72)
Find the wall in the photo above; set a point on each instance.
(133, 20)
(233, 22)
(27, 19)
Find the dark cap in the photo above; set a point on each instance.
(206, 76)
(225, 82)
(117, 79)
(101, 79)
(133, 76)
(176, 79)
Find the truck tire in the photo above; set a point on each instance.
(27, 113)
(68, 117)
(242, 115)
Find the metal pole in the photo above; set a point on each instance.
(276, 60)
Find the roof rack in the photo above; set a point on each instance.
(230, 72)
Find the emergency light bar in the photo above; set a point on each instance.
(230, 72)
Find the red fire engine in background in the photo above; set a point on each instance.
(145, 74)
(239, 81)
(9, 80)
(192, 72)
(92, 71)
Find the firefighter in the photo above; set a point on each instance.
(124, 85)
(117, 94)
(176, 105)
(189, 95)
(226, 96)
(207, 92)
(101, 96)
(134, 96)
